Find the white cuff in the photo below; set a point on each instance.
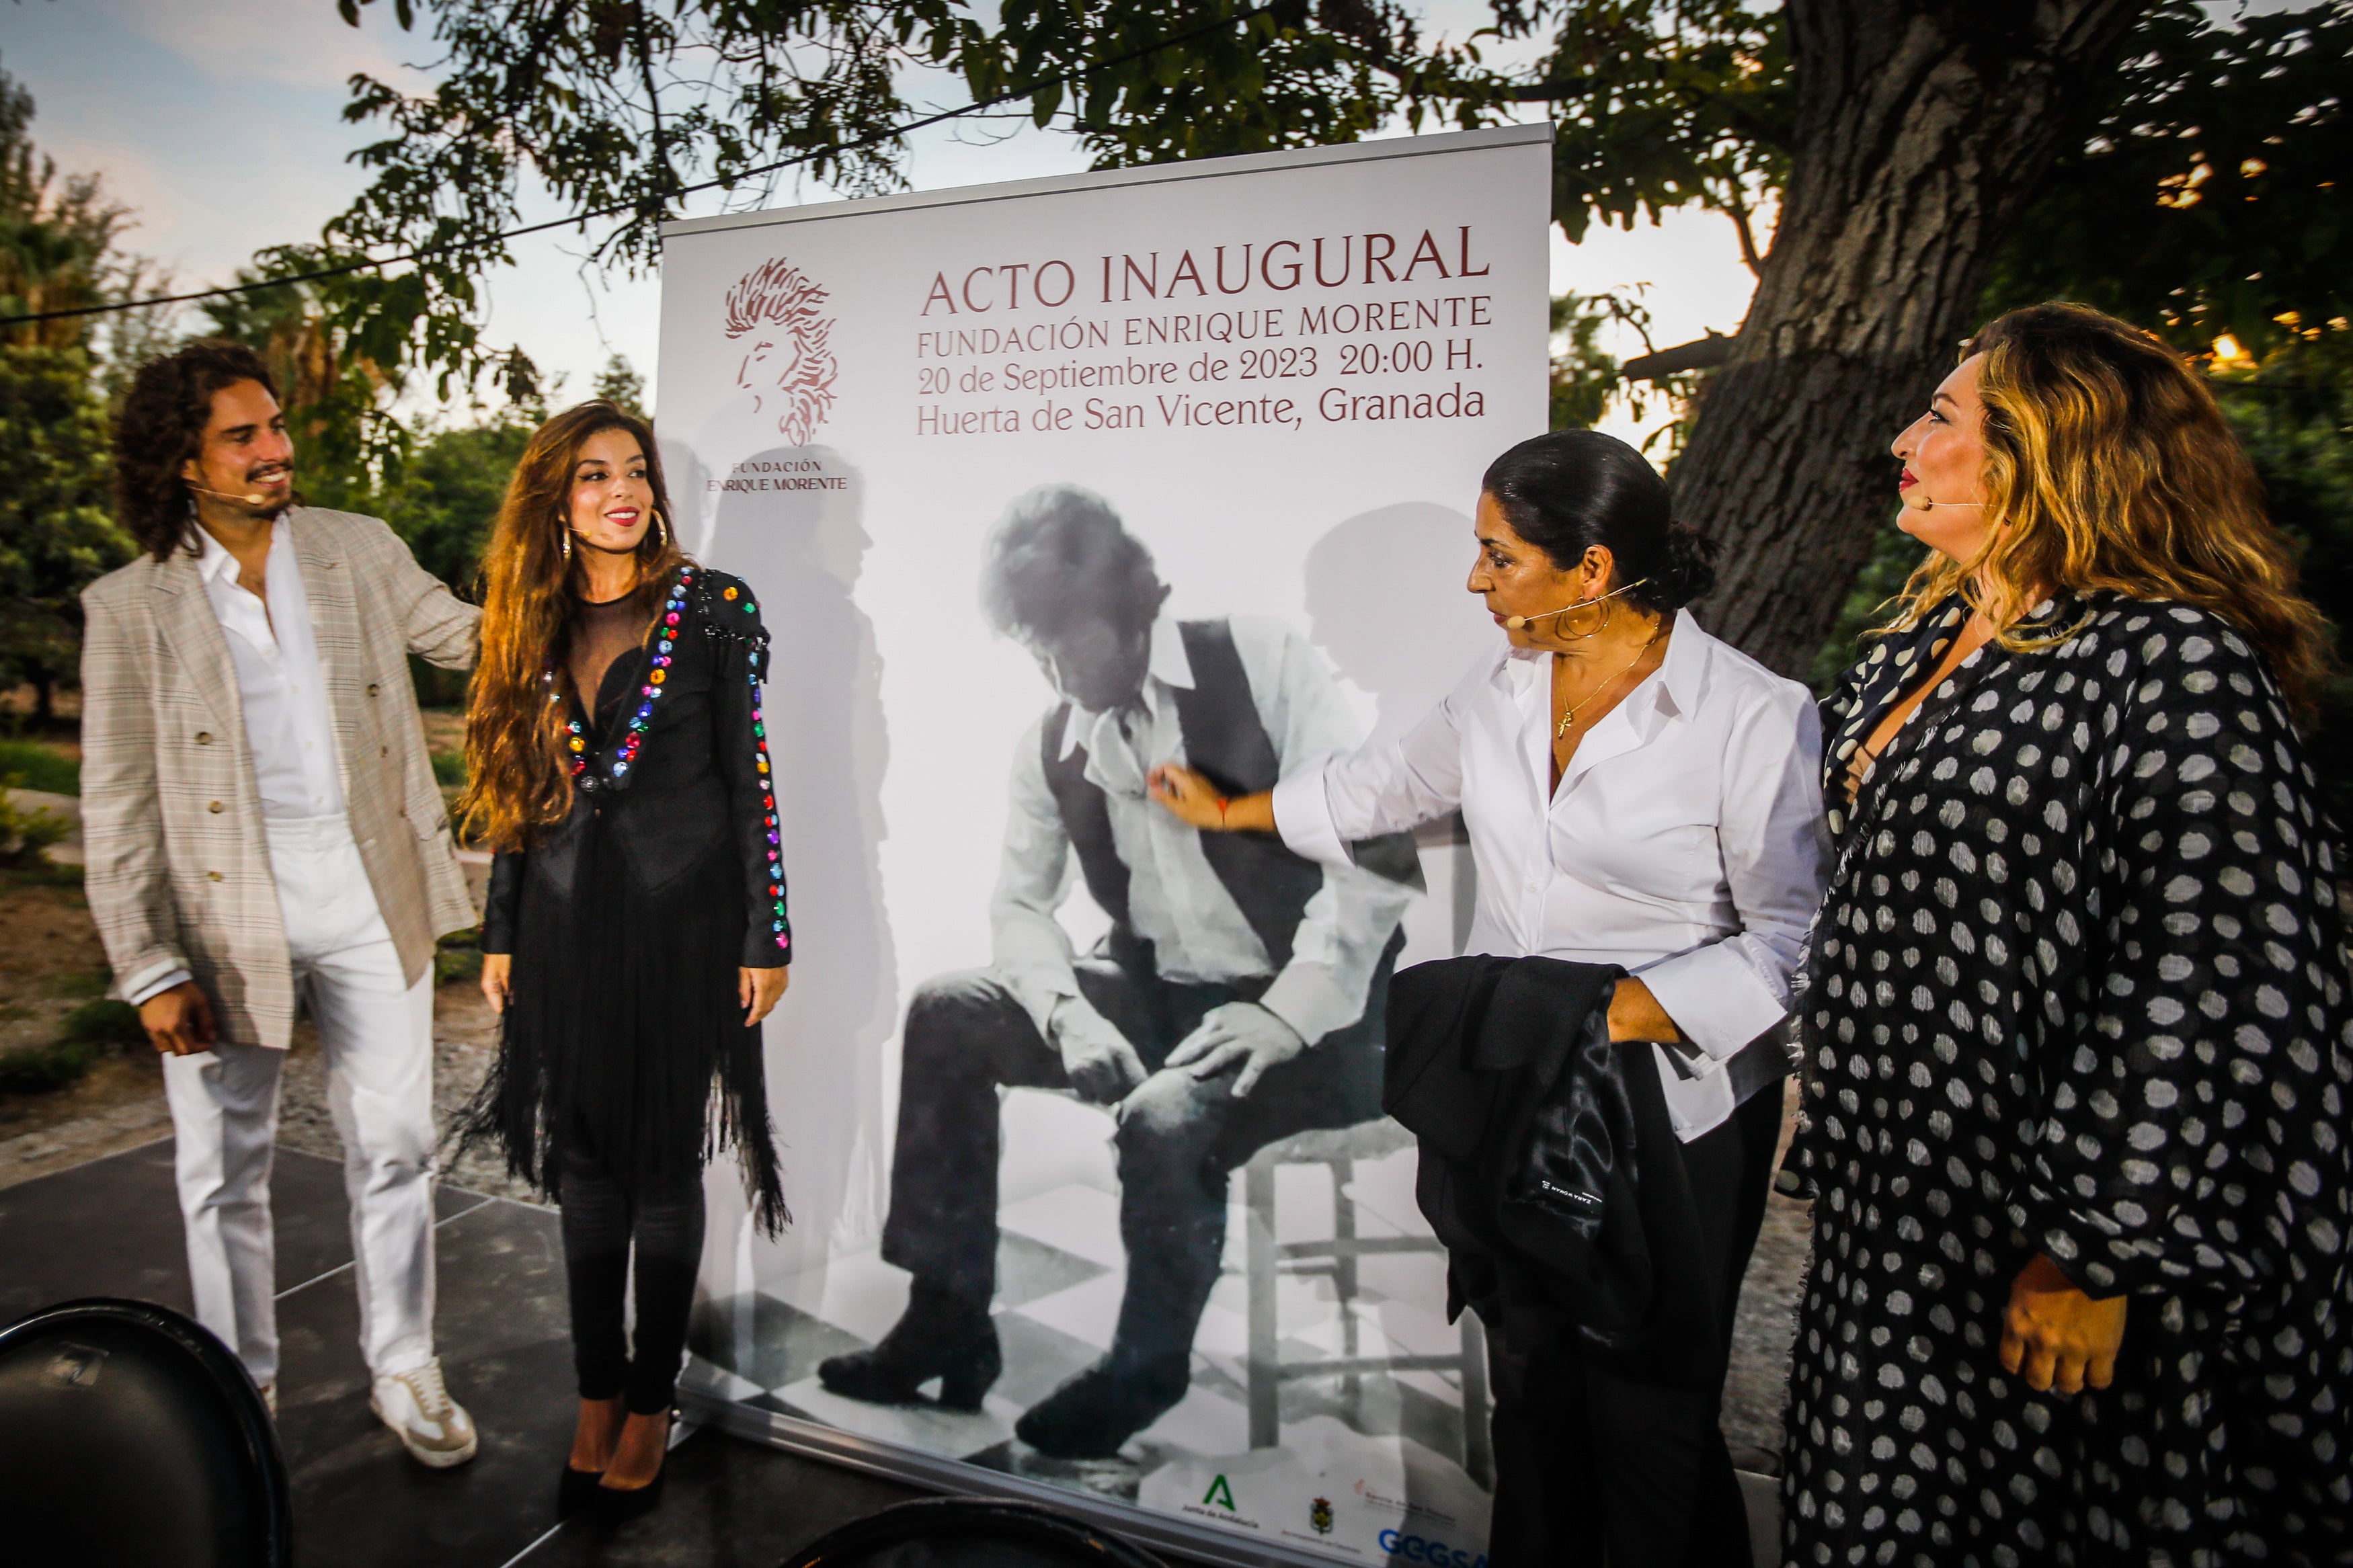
(1304, 997)
(1303, 815)
(153, 981)
(1717, 1002)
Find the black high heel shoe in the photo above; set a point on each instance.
(575, 1490)
(628, 1502)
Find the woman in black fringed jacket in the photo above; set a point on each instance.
(636, 933)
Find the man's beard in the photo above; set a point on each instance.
(273, 510)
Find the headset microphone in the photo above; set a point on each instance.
(1522, 623)
(249, 498)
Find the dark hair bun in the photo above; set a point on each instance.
(1689, 570)
(1571, 490)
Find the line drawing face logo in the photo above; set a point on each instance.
(787, 365)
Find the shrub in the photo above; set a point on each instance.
(458, 956)
(25, 835)
(105, 1022)
(37, 1069)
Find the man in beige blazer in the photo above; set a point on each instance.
(262, 827)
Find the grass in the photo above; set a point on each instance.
(40, 874)
(86, 1034)
(104, 1022)
(458, 956)
(448, 768)
(37, 1069)
(27, 833)
(40, 767)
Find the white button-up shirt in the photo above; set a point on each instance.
(1175, 900)
(1686, 841)
(289, 729)
(283, 690)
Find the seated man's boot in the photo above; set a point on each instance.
(1090, 1417)
(939, 1335)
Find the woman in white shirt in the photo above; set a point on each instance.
(1637, 793)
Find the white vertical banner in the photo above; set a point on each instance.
(1263, 389)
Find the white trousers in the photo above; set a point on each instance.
(378, 1032)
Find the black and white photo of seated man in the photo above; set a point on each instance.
(1237, 999)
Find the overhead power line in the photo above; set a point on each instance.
(366, 264)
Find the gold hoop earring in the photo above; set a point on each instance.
(1561, 631)
(662, 528)
(567, 546)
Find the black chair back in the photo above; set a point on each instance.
(972, 1532)
(129, 1435)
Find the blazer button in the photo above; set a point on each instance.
(212, 875)
(373, 688)
(384, 750)
(404, 811)
(204, 738)
(215, 807)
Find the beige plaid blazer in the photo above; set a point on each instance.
(176, 866)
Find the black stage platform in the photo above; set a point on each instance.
(112, 1228)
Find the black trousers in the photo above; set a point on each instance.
(602, 1213)
(1178, 1136)
(1592, 1468)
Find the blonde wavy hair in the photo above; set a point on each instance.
(2109, 469)
(518, 764)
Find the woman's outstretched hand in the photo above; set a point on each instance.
(2054, 1335)
(759, 990)
(1195, 801)
(498, 974)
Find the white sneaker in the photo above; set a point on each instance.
(433, 1427)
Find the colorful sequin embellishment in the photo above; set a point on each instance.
(667, 629)
(666, 638)
(778, 927)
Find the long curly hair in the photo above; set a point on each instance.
(2109, 469)
(161, 429)
(519, 766)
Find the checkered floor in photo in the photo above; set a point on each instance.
(1061, 1271)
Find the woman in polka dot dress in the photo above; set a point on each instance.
(2075, 1025)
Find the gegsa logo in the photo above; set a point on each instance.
(1418, 1549)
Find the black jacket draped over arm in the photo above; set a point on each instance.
(1548, 1166)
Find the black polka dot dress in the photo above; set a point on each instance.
(2078, 988)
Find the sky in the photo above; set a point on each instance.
(220, 126)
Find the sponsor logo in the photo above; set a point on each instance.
(1404, 1548)
(773, 313)
(1406, 1506)
(1220, 1494)
(1319, 1514)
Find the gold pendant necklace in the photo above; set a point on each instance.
(1566, 719)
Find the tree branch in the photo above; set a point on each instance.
(1738, 211)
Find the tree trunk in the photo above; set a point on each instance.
(1922, 133)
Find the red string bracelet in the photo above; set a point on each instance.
(1222, 802)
